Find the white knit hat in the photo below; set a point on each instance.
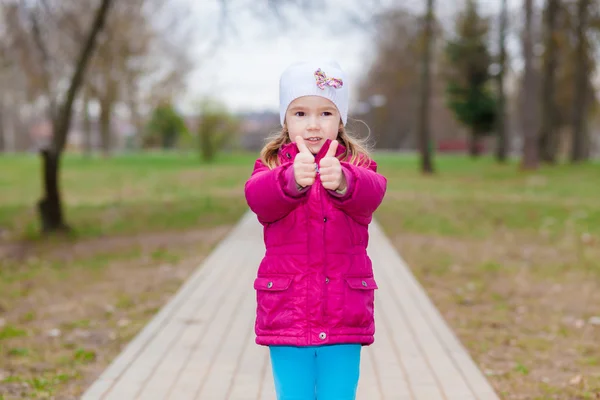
(325, 79)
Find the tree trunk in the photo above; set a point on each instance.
(578, 146)
(530, 144)
(50, 206)
(87, 125)
(502, 140)
(105, 131)
(21, 141)
(548, 141)
(474, 141)
(423, 129)
(205, 148)
(2, 131)
(107, 105)
(138, 123)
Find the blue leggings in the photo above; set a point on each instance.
(327, 372)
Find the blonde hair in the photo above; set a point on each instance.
(356, 152)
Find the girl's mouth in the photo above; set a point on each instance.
(313, 140)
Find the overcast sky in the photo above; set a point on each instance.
(244, 71)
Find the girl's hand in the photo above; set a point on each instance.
(305, 169)
(330, 170)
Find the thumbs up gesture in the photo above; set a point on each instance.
(305, 170)
(330, 169)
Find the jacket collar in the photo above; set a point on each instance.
(289, 151)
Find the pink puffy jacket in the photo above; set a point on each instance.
(315, 284)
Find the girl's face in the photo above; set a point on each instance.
(315, 118)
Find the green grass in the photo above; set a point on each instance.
(9, 332)
(127, 194)
(458, 176)
(141, 193)
(475, 198)
(151, 192)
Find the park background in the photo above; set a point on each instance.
(128, 129)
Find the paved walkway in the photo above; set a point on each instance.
(201, 344)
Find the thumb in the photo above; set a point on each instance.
(332, 149)
(301, 145)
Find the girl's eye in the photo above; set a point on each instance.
(327, 113)
(299, 114)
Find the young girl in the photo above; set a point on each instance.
(314, 189)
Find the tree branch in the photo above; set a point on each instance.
(45, 61)
(63, 120)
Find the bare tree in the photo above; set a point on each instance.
(125, 39)
(141, 61)
(578, 146)
(502, 140)
(530, 143)
(548, 140)
(87, 123)
(14, 91)
(425, 92)
(393, 75)
(37, 54)
(50, 206)
(5, 72)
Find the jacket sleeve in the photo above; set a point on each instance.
(366, 189)
(272, 193)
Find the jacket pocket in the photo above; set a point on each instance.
(359, 299)
(272, 283)
(275, 305)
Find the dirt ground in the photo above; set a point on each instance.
(68, 310)
(529, 318)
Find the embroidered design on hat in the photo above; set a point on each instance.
(323, 80)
